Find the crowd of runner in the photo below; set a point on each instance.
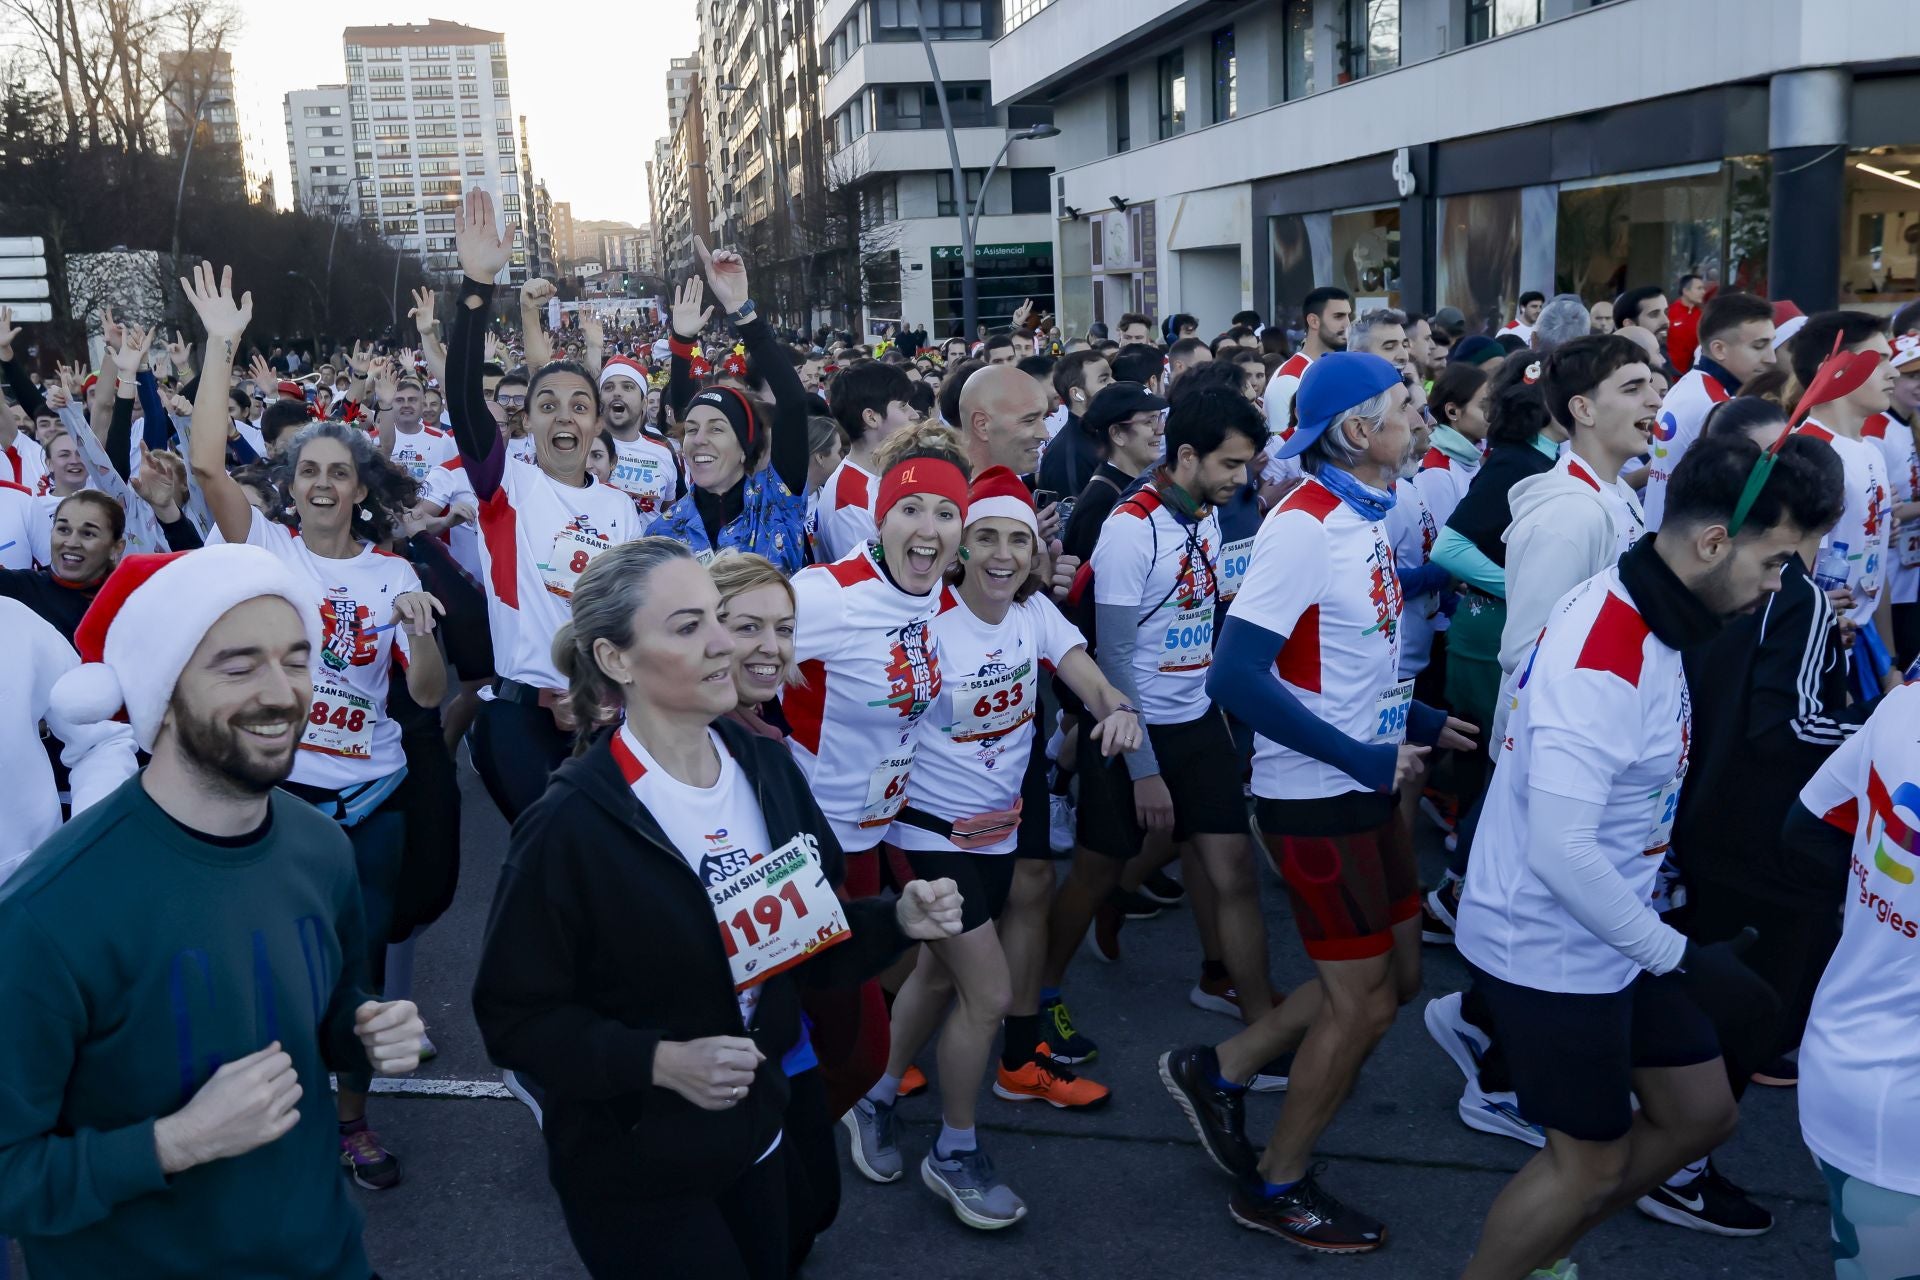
(841, 696)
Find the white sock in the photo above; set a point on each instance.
(885, 1092)
(952, 1140)
(1688, 1173)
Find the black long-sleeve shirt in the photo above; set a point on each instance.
(1770, 704)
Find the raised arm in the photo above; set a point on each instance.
(427, 320)
(20, 387)
(126, 359)
(533, 321)
(224, 320)
(686, 320)
(728, 273)
(482, 253)
(596, 336)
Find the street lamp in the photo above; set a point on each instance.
(179, 195)
(969, 210)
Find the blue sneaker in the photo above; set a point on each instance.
(1495, 1113)
(966, 1181)
(869, 1125)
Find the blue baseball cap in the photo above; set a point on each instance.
(1332, 385)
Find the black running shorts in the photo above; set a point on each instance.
(984, 879)
(1202, 770)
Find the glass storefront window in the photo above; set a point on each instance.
(1366, 255)
(1880, 232)
(1626, 230)
(1479, 259)
(1006, 275)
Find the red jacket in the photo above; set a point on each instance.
(1683, 335)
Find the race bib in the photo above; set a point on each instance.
(1666, 802)
(1189, 642)
(572, 552)
(776, 912)
(1909, 538)
(339, 722)
(990, 706)
(887, 787)
(1390, 712)
(1234, 558)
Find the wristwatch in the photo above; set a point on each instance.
(744, 314)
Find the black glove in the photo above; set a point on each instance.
(1744, 1009)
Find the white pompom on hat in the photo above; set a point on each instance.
(151, 614)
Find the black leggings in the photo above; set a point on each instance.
(813, 1165)
(741, 1234)
(515, 748)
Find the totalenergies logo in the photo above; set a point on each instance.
(1665, 427)
(1894, 826)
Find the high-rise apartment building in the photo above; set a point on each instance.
(682, 187)
(432, 115)
(197, 88)
(537, 212)
(320, 151)
(563, 248)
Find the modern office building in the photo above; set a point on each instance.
(320, 151)
(432, 115)
(1218, 155)
(681, 183)
(885, 137)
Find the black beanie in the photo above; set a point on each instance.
(739, 413)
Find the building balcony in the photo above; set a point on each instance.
(907, 150)
(1058, 43)
(904, 62)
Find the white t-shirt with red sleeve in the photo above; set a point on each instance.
(444, 486)
(1323, 577)
(869, 670)
(1167, 571)
(22, 531)
(1894, 439)
(349, 738)
(419, 452)
(1603, 717)
(1278, 400)
(844, 518)
(646, 470)
(1866, 524)
(1860, 1056)
(23, 462)
(1442, 481)
(537, 537)
(976, 739)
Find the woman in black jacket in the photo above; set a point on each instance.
(658, 907)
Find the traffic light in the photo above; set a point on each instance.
(623, 282)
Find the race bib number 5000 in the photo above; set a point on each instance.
(776, 912)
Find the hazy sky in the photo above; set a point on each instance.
(593, 89)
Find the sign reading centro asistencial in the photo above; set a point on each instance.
(951, 252)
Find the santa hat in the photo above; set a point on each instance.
(998, 492)
(1906, 350)
(151, 614)
(1787, 320)
(625, 366)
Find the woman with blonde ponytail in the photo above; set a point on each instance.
(661, 905)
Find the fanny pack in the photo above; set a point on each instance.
(349, 807)
(974, 832)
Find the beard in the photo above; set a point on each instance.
(223, 751)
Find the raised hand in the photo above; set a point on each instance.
(688, 317)
(1022, 314)
(213, 301)
(492, 350)
(727, 272)
(537, 290)
(155, 483)
(181, 353)
(423, 315)
(595, 332)
(8, 332)
(72, 380)
(262, 373)
(132, 351)
(109, 327)
(385, 380)
(358, 358)
(483, 250)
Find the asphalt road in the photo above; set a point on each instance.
(1125, 1191)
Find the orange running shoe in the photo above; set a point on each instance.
(1043, 1080)
(914, 1081)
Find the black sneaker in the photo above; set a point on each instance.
(1135, 906)
(1218, 1115)
(1709, 1203)
(1307, 1216)
(1065, 1043)
(1163, 889)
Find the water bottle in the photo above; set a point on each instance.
(1830, 567)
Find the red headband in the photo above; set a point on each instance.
(936, 476)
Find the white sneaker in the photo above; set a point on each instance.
(1459, 1039)
(1499, 1115)
(1061, 827)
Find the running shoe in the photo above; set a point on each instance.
(1272, 1078)
(1163, 889)
(529, 1094)
(1135, 906)
(913, 1083)
(373, 1167)
(1565, 1269)
(428, 1052)
(1438, 913)
(966, 1181)
(1103, 935)
(869, 1126)
(1782, 1073)
(1441, 810)
(1216, 995)
(1043, 1080)
(1218, 1115)
(1464, 1043)
(1710, 1203)
(1306, 1215)
(1061, 824)
(1065, 1043)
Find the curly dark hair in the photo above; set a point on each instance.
(391, 491)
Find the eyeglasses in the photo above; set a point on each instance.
(510, 402)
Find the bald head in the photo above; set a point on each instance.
(1644, 339)
(1003, 419)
